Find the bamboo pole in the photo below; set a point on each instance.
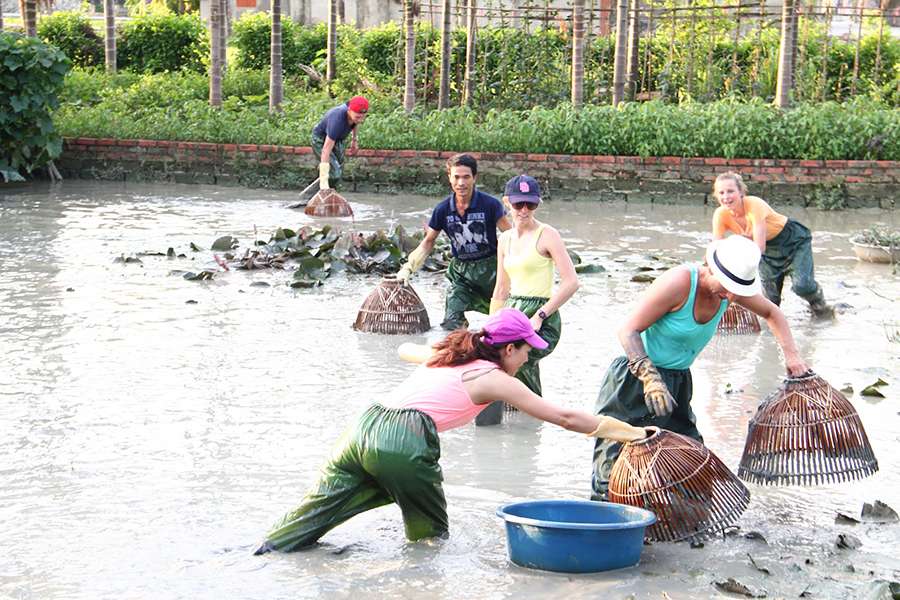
(331, 48)
(444, 85)
(409, 63)
(469, 86)
(276, 78)
(689, 83)
(860, 6)
(215, 65)
(877, 73)
(823, 89)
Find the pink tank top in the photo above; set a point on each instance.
(439, 393)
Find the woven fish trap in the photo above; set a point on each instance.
(738, 319)
(806, 433)
(328, 203)
(691, 491)
(392, 307)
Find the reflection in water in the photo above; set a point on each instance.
(153, 428)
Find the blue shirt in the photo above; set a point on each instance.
(675, 340)
(334, 124)
(473, 235)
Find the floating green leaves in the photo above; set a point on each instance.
(226, 242)
(872, 389)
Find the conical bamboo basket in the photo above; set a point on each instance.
(738, 319)
(691, 491)
(392, 307)
(806, 433)
(328, 203)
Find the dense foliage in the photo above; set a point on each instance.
(31, 75)
(174, 107)
(73, 33)
(518, 68)
(155, 43)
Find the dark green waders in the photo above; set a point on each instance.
(336, 160)
(471, 288)
(390, 455)
(790, 253)
(622, 396)
(530, 372)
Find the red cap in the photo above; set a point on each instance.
(358, 104)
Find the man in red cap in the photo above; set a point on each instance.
(329, 135)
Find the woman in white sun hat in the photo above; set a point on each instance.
(671, 323)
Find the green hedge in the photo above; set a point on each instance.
(156, 43)
(73, 33)
(173, 107)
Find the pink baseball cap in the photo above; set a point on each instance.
(511, 325)
(358, 104)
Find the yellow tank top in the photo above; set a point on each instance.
(756, 210)
(530, 274)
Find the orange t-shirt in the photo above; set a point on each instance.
(756, 210)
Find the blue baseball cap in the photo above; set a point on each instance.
(523, 188)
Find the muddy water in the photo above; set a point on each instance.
(152, 428)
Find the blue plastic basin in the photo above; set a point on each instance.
(574, 536)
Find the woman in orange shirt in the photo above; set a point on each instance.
(786, 244)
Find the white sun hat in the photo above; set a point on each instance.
(734, 262)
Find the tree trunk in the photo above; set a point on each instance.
(634, 45)
(577, 53)
(29, 17)
(109, 11)
(276, 82)
(860, 5)
(444, 93)
(621, 52)
(409, 65)
(223, 34)
(331, 56)
(785, 56)
(215, 57)
(1, 16)
(469, 87)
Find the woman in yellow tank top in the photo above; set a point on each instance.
(526, 257)
(786, 244)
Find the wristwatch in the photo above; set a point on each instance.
(542, 315)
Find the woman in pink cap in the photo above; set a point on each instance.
(329, 135)
(391, 453)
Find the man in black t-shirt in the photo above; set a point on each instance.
(470, 218)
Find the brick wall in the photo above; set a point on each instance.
(665, 179)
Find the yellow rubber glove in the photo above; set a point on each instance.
(324, 171)
(415, 353)
(413, 263)
(657, 396)
(610, 428)
(496, 304)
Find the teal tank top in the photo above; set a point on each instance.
(675, 340)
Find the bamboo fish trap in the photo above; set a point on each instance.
(392, 307)
(328, 203)
(738, 319)
(691, 491)
(806, 433)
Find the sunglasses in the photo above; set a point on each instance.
(521, 205)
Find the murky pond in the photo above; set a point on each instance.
(153, 428)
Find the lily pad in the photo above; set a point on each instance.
(589, 268)
(879, 512)
(127, 260)
(757, 567)
(872, 391)
(226, 242)
(846, 541)
(844, 519)
(201, 276)
(196, 248)
(170, 253)
(643, 278)
(733, 586)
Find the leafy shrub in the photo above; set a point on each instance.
(252, 35)
(155, 43)
(31, 75)
(72, 33)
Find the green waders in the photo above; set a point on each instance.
(790, 253)
(551, 329)
(336, 160)
(622, 396)
(390, 455)
(530, 372)
(471, 288)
